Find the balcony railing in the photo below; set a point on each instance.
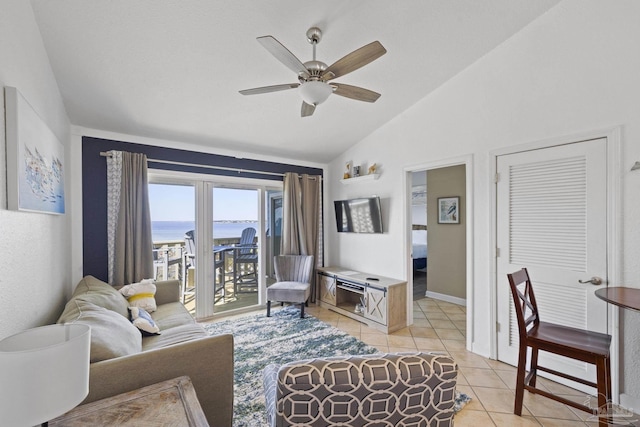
(169, 258)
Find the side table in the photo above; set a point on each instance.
(171, 402)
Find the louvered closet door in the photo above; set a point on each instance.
(551, 218)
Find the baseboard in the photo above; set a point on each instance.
(629, 402)
(447, 298)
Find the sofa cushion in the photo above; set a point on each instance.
(142, 320)
(141, 294)
(170, 315)
(101, 294)
(112, 335)
(175, 335)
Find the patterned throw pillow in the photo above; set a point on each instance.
(141, 294)
(143, 321)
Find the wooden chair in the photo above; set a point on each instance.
(586, 346)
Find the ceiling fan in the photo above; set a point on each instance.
(313, 76)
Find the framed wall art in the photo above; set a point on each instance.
(449, 210)
(35, 159)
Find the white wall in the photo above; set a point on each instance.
(34, 256)
(575, 69)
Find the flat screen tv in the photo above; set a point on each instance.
(358, 215)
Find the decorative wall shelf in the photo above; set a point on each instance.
(361, 178)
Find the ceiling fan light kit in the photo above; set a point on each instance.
(313, 75)
(315, 92)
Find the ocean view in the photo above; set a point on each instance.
(174, 230)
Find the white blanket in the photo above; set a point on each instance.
(419, 242)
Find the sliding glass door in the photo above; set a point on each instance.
(236, 247)
(224, 232)
(172, 225)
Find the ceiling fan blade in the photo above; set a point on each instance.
(307, 109)
(355, 92)
(267, 89)
(356, 59)
(283, 54)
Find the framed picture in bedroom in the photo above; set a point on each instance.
(35, 159)
(448, 210)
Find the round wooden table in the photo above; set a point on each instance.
(621, 296)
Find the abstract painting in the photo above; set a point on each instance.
(35, 159)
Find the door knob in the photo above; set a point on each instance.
(595, 280)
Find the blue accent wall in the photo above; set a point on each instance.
(94, 186)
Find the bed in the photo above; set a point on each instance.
(419, 248)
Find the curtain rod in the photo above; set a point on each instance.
(171, 162)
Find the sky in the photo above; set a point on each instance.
(176, 203)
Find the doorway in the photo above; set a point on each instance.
(199, 222)
(441, 268)
(419, 234)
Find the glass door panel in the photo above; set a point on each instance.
(173, 229)
(274, 230)
(236, 243)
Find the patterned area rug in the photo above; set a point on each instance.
(281, 338)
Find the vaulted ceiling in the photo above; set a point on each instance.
(172, 69)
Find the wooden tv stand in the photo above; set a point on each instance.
(385, 299)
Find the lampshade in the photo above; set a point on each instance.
(315, 92)
(44, 372)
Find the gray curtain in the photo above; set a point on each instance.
(301, 219)
(129, 219)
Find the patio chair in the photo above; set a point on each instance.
(245, 263)
(189, 265)
(190, 261)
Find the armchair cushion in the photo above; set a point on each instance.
(289, 292)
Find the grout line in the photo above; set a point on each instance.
(435, 307)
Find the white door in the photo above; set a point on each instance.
(551, 219)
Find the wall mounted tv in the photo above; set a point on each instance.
(358, 215)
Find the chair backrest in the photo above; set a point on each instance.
(293, 268)
(420, 385)
(190, 246)
(246, 239)
(524, 302)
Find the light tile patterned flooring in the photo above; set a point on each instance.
(441, 326)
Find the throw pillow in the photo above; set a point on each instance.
(112, 335)
(97, 292)
(141, 295)
(143, 321)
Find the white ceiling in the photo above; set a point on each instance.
(171, 69)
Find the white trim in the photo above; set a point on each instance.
(203, 191)
(614, 228)
(614, 245)
(262, 250)
(447, 298)
(467, 161)
(161, 176)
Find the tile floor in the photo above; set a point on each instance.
(440, 326)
